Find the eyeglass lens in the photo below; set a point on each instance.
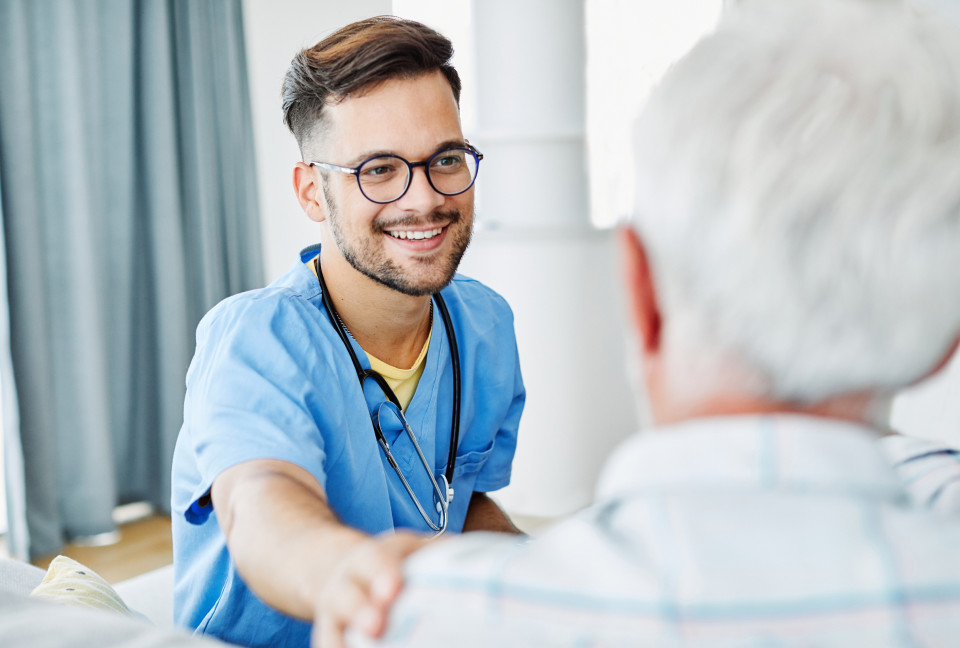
(385, 179)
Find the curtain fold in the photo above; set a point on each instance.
(129, 204)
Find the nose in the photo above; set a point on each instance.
(421, 197)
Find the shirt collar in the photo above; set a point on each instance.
(782, 451)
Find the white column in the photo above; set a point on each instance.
(535, 246)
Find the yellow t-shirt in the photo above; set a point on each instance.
(403, 382)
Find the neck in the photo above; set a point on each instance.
(866, 408)
(670, 404)
(387, 324)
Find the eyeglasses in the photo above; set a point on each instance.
(387, 415)
(386, 178)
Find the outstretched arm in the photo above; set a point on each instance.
(293, 552)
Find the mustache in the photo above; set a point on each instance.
(437, 218)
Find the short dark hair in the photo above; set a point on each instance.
(357, 57)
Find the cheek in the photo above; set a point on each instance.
(464, 204)
(359, 214)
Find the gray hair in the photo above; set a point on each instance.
(798, 189)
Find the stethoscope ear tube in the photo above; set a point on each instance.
(335, 319)
(455, 422)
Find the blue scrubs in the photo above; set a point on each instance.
(271, 379)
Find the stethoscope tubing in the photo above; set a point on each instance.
(442, 500)
(455, 363)
(362, 374)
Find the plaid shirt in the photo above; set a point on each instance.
(738, 531)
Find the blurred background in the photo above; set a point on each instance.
(145, 174)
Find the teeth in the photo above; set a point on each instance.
(416, 236)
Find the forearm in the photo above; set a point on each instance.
(283, 537)
(483, 514)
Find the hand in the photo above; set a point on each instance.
(362, 590)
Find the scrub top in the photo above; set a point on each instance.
(270, 379)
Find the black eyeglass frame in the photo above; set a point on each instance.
(355, 171)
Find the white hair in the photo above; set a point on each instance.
(798, 190)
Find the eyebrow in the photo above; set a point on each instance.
(360, 158)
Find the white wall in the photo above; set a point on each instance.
(274, 32)
(630, 47)
(931, 409)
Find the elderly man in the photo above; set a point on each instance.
(793, 261)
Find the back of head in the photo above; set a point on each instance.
(798, 190)
(354, 59)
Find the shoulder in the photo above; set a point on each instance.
(477, 301)
(291, 298)
(268, 307)
(278, 317)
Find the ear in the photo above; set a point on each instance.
(641, 293)
(306, 184)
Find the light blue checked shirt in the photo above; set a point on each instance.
(737, 531)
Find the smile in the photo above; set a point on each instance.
(418, 235)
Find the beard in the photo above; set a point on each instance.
(429, 276)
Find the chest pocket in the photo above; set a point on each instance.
(470, 463)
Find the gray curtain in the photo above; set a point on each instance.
(129, 208)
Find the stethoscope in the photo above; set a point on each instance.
(443, 495)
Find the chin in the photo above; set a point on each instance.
(421, 288)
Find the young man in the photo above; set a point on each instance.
(793, 261)
(321, 410)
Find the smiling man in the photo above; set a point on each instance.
(369, 399)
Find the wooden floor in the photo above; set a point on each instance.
(144, 545)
